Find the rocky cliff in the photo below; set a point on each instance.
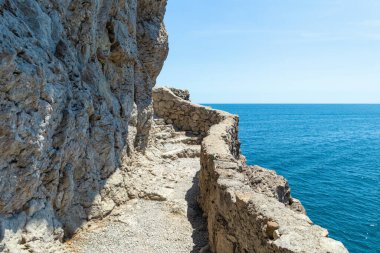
(76, 81)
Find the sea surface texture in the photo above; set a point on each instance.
(330, 155)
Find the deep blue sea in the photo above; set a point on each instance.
(330, 155)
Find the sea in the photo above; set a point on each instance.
(330, 155)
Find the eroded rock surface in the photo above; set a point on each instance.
(184, 94)
(163, 215)
(76, 79)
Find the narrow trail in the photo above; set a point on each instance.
(163, 215)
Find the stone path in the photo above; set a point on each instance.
(163, 215)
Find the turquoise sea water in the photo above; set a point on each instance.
(330, 155)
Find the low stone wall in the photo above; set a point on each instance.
(182, 113)
(184, 94)
(249, 209)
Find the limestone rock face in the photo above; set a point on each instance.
(76, 82)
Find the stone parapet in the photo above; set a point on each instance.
(249, 208)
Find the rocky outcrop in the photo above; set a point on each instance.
(76, 81)
(184, 94)
(248, 208)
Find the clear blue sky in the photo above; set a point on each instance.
(274, 51)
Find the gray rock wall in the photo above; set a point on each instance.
(248, 208)
(76, 82)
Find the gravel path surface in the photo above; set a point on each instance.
(163, 215)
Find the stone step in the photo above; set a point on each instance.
(188, 152)
(163, 136)
(185, 140)
(179, 134)
(159, 121)
(166, 127)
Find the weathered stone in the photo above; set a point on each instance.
(165, 217)
(184, 94)
(271, 227)
(296, 205)
(249, 208)
(185, 115)
(276, 235)
(75, 96)
(268, 182)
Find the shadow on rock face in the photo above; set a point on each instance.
(75, 98)
(196, 218)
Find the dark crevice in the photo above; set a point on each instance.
(111, 32)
